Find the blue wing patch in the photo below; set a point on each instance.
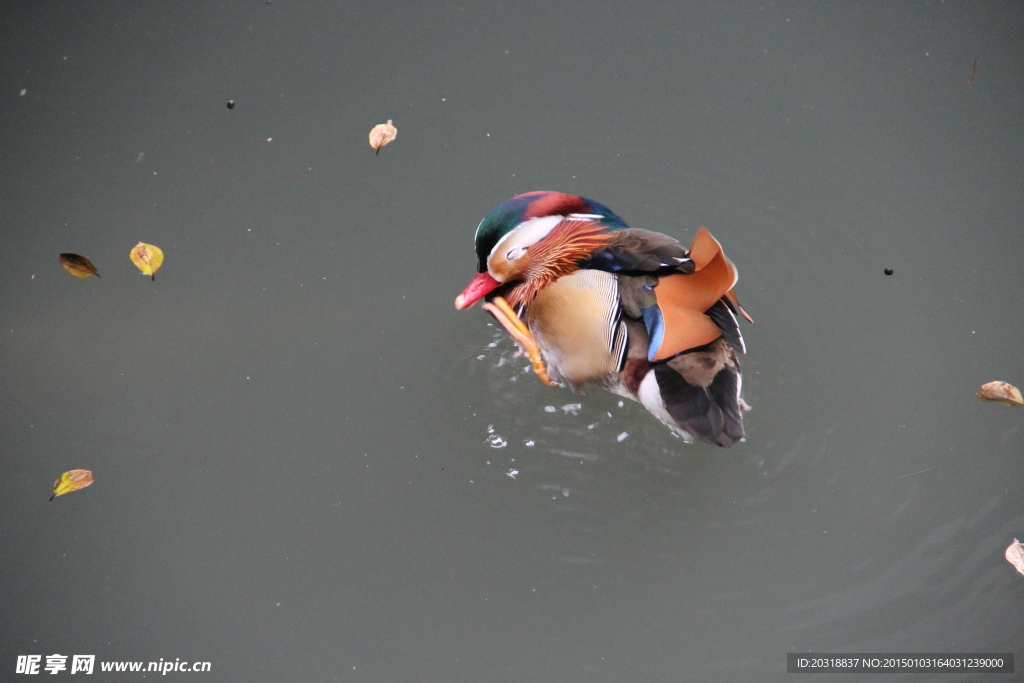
(655, 322)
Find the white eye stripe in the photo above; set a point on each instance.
(526, 234)
(584, 216)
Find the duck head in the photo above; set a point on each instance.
(534, 239)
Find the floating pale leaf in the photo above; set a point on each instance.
(71, 480)
(78, 265)
(382, 134)
(1015, 555)
(147, 258)
(1004, 392)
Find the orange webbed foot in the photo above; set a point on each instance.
(504, 314)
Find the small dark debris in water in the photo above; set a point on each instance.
(231, 104)
(974, 72)
(77, 265)
(888, 271)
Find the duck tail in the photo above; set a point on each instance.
(698, 392)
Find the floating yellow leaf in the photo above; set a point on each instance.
(1015, 555)
(71, 481)
(1003, 392)
(78, 265)
(382, 134)
(147, 258)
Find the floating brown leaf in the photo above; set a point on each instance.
(71, 480)
(78, 265)
(147, 258)
(1004, 392)
(1015, 555)
(382, 134)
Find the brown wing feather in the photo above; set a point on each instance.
(635, 251)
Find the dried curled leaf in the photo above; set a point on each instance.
(78, 265)
(1015, 555)
(382, 134)
(1004, 392)
(147, 258)
(71, 480)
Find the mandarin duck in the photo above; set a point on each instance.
(592, 301)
